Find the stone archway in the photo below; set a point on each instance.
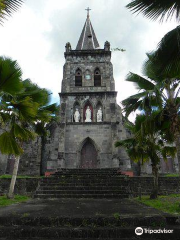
(88, 155)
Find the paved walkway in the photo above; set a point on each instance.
(82, 208)
(76, 208)
(78, 219)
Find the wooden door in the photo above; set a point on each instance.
(88, 155)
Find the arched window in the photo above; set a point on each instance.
(97, 78)
(78, 78)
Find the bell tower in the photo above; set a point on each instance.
(90, 118)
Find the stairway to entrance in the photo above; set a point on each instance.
(83, 204)
(84, 183)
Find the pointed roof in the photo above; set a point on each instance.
(88, 39)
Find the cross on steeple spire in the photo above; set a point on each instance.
(88, 39)
(88, 10)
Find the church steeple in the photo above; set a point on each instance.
(88, 39)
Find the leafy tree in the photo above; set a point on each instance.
(146, 144)
(7, 7)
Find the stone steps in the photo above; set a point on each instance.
(93, 178)
(75, 238)
(79, 233)
(9, 238)
(59, 221)
(94, 170)
(75, 182)
(39, 238)
(53, 196)
(77, 191)
(95, 181)
(86, 173)
(86, 188)
(84, 183)
(85, 177)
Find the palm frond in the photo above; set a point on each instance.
(124, 143)
(53, 108)
(140, 82)
(23, 134)
(37, 94)
(162, 9)
(8, 144)
(7, 7)
(27, 109)
(10, 76)
(168, 151)
(168, 54)
(132, 103)
(151, 68)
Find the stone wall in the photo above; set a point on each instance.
(100, 133)
(25, 186)
(3, 163)
(31, 159)
(167, 185)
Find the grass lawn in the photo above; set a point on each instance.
(23, 176)
(168, 204)
(171, 175)
(17, 199)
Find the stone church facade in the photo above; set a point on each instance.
(88, 83)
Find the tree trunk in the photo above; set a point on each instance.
(154, 193)
(13, 179)
(139, 168)
(177, 142)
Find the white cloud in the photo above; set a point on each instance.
(37, 33)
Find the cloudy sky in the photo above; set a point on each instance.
(36, 35)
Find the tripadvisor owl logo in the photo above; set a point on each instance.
(138, 231)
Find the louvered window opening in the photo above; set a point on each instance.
(97, 78)
(78, 79)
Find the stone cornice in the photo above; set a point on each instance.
(89, 123)
(87, 52)
(114, 93)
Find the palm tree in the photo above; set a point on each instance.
(20, 111)
(16, 128)
(156, 9)
(146, 144)
(157, 90)
(168, 50)
(47, 113)
(7, 7)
